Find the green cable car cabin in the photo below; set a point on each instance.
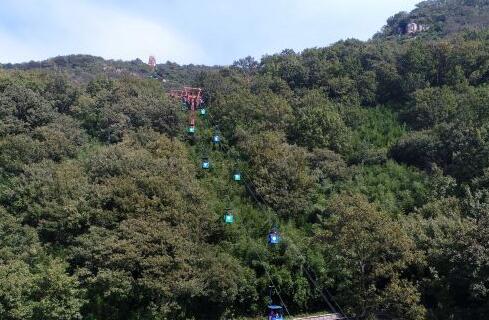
(228, 217)
(237, 175)
(191, 129)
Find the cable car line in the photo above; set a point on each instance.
(254, 195)
(273, 284)
(307, 268)
(306, 265)
(216, 138)
(261, 260)
(254, 192)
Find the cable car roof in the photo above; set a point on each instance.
(274, 307)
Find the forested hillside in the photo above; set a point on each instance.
(83, 68)
(371, 159)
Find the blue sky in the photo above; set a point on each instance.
(190, 31)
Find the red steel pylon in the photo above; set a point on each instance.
(152, 62)
(193, 98)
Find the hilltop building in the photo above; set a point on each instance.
(413, 28)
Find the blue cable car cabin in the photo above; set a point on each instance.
(216, 138)
(275, 312)
(202, 112)
(237, 175)
(186, 105)
(273, 237)
(228, 217)
(205, 164)
(191, 129)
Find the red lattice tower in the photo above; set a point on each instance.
(193, 97)
(152, 62)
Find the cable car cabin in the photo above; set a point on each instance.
(216, 139)
(185, 104)
(200, 103)
(191, 129)
(273, 237)
(275, 312)
(205, 164)
(237, 176)
(202, 112)
(228, 217)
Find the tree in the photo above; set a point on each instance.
(433, 106)
(59, 296)
(371, 252)
(247, 65)
(144, 268)
(33, 285)
(318, 124)
(53, 199)
(279, 173)
(22, 110)
(116, 107)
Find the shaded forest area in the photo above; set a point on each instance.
(371, 157)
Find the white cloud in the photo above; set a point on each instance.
(85, 27)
